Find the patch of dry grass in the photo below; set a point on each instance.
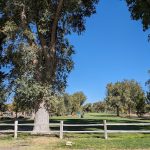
(82, 142)
(29, 143)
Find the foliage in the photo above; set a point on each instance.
(95, 107)
(65, 104)
(99, 106)
(140, 10)
(57, 106)
(3, 93)
(74, 102)
(126, 96)
(88, 107)
(35, 47)
(77, 100)
(148, 96)
(113, 97)
(68, 103)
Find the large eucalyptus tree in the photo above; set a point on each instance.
(36, 50)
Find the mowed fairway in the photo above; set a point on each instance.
(81, 141)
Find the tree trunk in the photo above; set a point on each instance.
(32, 115)
(129, 111)
(16, 115)
(118, 114)
(41, 121)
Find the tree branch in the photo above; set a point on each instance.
(25, 25)
(54, 27)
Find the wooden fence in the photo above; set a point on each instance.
(61, 130)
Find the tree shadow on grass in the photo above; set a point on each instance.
(93, 121)
(78, 121)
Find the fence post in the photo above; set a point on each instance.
(15, 129)
(61, 129)
(105, 130)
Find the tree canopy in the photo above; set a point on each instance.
(35, 48)
(74, 102)
(140, 10)
(126, 96)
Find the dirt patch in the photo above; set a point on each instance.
(44, 140)
(9, 148)
(31, 143)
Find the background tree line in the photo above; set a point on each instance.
(125, 97)
(67, 104)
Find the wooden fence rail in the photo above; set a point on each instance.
(61, 130)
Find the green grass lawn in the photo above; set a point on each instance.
(99, 117)
(126, 141)
(81, 141)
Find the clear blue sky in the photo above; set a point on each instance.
(113, 48)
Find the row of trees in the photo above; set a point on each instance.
(95, 107)
(67, 104)
(123, 97)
